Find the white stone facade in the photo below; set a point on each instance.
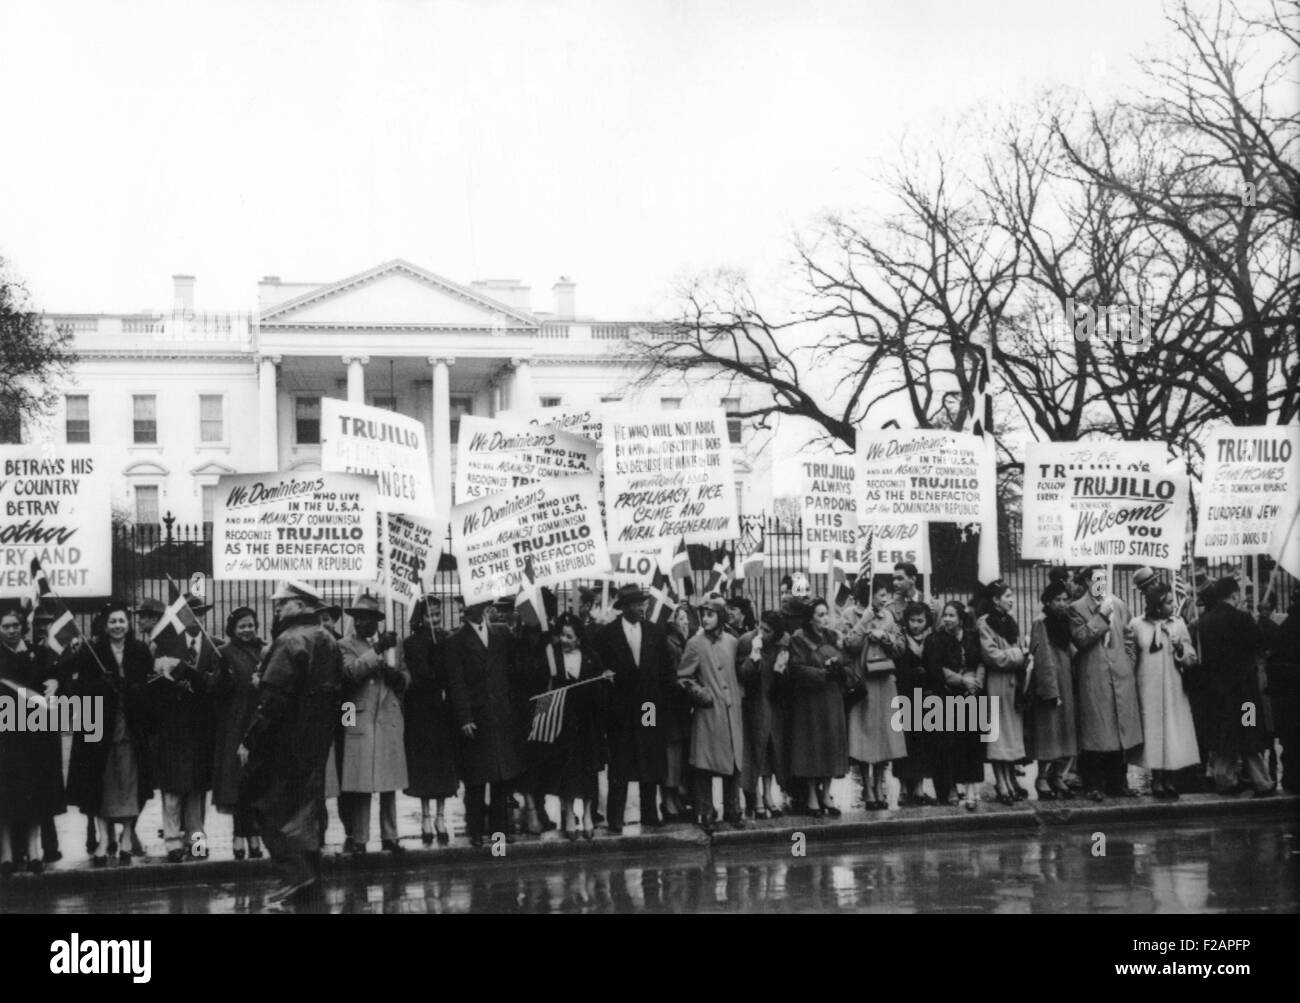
(233, 393)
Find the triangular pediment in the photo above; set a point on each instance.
(397, 294)
(210, 468)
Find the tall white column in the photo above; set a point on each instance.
(356, 377)
(268, 412)
(521, 388)
(442, 434)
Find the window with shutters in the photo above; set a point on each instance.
(144, 419)
(76, 425)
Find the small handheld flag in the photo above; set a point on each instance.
(548, 717)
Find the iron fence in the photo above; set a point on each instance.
(144, 556)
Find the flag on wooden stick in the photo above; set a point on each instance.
(63, 628)
(982, 426)
(528, 603)
(548, 716)
(663, 602)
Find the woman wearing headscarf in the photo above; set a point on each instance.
(31, 765)
(762, 667)
(1005, 660)
(955, 667)
(1161, 647)
(580, 752)
(1050, 733)
(819, 744)
(430, 732)
(110, 779)
(922, 746)
(717, 727)
(873, 741)
(235, 704)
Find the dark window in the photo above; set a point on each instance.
(307, 421)
(77, 427)
(145, 419)
(146, 505)
(735, 425)
(11, 425)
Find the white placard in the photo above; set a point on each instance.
(356, 439)
(493, 456)
(1252, 475)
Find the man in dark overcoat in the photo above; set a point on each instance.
(638, 654)
(285, 748)
(478, 660)
(1231, 643)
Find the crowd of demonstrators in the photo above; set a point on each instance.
(773, 706)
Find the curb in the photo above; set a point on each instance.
(1025, 817)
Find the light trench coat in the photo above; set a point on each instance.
(374, 748)
(1169, 736)
(717, 732)
(1109, 717)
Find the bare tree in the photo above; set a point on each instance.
(33, 355)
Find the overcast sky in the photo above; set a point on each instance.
(621, 144)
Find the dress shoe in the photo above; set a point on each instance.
(616, 830)
(1127, 792)
(735, 821)
(53, 857)
(476, 842)
(173, 856)
(443, 838)
(1061, 790)
(393, 847)
(1092, 794)
(6, 868)
(255, 853)
(1045, 793)
(352, 847)
(124, 858)
(99, 861)
(598, 817)
(35, 866)
(651, 822)
(1019, 792)
(239, 854)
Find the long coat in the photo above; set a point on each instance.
(124, 688)
(763, 709)
(949, 660)
(184, 735)
(235, 703)
(922, 746)
(297, 712)
(819, 744)
(1168, 735)
(1050, 730)
(638, 742)
(717, 731)
(1109, 717)
(580, 751)
(31, 762)
(1004, 665)
(478, 683)
(431, 748)
(1230, 643)
(374, 749)
(872, 737)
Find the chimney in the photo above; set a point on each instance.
(183, 294)
(564, 298)
(268, 291)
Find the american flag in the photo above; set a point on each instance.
(63, 628)
(548, 716)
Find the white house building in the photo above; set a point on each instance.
(172, 400)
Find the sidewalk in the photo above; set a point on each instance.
(75, 869)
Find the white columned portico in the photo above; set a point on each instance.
(521, 387)
(442, 433)
(268, 408)
(356, 377)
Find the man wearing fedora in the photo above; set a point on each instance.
(285, 747)
(147, 615)
(638, 654)
(374, 744)
(184, 740)
(478, 659)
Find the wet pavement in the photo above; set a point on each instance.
(1233, 865)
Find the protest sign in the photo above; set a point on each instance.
(1048, 465)
(667, 476)
(897, 543)
(639, 567)
(1120, 517)
(288, 525)
(555, 523)
(356, 439)
(406, 564)
(1252, 474)
(920, 474)
(55, 506)
(493, 456)
(586, 422)
(830, 511)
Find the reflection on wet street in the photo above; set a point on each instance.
(1253, 866)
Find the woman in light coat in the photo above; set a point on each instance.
(717, 728)
(1005, 659)
(873, 742)
(1161, 647)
